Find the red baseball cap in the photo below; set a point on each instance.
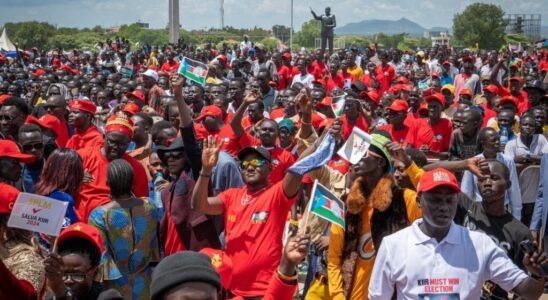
(467, 58)
(10, 149)
(516, 78)
(83, 105)
(509, 99)
(446, 63)
(436, 97)
(131, 108)
(137, 94)
(491, 88)
(466, 92)
(406, 87)
(399, 105)
(210, 111)
(423, 106)
(437, 178)
(84, 231)
(33, 120)
(374, 96)
(222, 263)
(402, 80)
(436, 74)
(39, 73)
(7, 198)
(287, 55)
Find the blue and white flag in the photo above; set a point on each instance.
(314, 161)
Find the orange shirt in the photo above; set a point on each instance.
(97, 192)
(89, 139)
(397, 135)
(437, 136)
(254, 225)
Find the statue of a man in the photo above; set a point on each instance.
(327, 27)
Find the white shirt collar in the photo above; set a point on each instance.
(419, 237)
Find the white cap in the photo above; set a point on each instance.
(152, 74)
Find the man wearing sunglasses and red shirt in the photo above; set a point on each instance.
(255, 216)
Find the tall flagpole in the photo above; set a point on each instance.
(291, 30)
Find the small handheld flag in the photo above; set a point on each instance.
(326, 206)
(337, 104)
(193, 70)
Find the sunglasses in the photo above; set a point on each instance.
(174, 155)
(255, 163)
(29, 147)
(76, 277)
(8, 118)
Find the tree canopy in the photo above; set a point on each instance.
(480, 23)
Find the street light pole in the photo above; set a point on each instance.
(291, 30)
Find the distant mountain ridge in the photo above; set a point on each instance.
(371, 27)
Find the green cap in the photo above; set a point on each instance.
(379, 141)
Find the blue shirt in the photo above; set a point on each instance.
(469, 185)
(70, 215)
(31, 175)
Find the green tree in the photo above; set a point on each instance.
(308, 34)
(281, 32)
(30, 34)
(516, 38)
(270, 43)
(480, 23)
(390, 41)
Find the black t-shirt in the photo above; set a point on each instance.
(506, 231)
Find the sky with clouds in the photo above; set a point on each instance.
(200, 14)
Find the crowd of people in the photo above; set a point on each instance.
(178, 190)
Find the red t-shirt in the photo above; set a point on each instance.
(254, 225)
(283, 75)
(437, 136)
(384, 76)
(173, 243)
(91, 138)
(97, 192)
(231, 145)
(366, 79)
(170, 67)
(397, 135)
(277, 113)
(332, 82)
(320, 69)
(347, 127)
(488, 113)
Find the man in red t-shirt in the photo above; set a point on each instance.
(210, 122)
(431, 135)
(353, 116)
(81, 114)
(255, 216)
(95, 191)
(514, 89)
(268, 133)
(384, 73)
(284, 73)
(170, 66)
(397, 113)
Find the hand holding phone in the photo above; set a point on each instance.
(535, 261)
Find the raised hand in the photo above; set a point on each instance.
(397, 152)
(177, 83)
(252, 97)
(210, 152)
(303, 100)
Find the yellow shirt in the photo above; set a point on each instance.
(356, 72)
